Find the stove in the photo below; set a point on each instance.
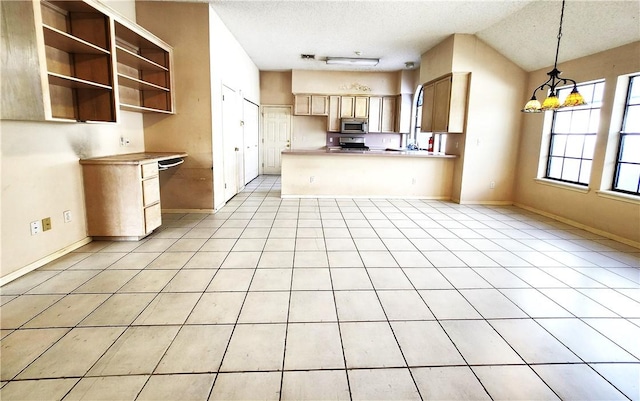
(352, 143)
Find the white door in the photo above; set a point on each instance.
(231, 136)
(276, 123)
(251, 139)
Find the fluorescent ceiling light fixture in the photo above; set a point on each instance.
(353, 61)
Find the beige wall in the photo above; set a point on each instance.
(488, 146)
(615, 216)
(493, 120)
(344, 82)
(275, 88)
(189, 130)
(206, 57)
(41, 177)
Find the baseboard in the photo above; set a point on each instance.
(488, 203)
(208, 211)
(41, 262)
(364, 197)
(581, 226)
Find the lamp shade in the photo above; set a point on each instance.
(574, 99)
(532, 106)
(551, 103)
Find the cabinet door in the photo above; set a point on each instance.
(375, 114)
(302, 105)
(428, 94)
(319, 105)
(441, 100)
(333, 121)
(347, 106)
(388, 115)
(361, 107)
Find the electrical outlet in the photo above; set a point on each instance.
(330, 139)
(66, 216)
(36, 227)
(413, 181)
(124, 141)
(46, 224)
(492, 184)
(311, 179)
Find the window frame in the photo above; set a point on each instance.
(585, 135)
(621, 138)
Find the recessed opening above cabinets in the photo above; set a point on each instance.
(78, 61)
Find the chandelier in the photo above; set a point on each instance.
(552, 102)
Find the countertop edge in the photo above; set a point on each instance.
(133, 158)
(368, 153)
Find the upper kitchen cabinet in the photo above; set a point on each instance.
(333, 119)
(57, 62)
(354, 107)
(144, 70)
(382, 113)
(444, 106)
(311, 105)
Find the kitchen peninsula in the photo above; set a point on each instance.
(338, 173)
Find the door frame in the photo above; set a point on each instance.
(261, 140)
(258, 120)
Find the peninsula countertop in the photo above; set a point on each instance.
(329, 151)
(134, 158)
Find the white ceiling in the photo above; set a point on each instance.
(275, 33)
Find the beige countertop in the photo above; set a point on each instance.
(134, 158)
(371, 153)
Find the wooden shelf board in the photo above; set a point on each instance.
(129, 58)
(125, 33)
(69, 43)
(75, 83)
(130, 107)
(135, 83)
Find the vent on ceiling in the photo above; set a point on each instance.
(308, 56)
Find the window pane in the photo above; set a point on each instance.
(571, 170)
(635, 91)
(555, 168)
(628, 177)
(597, 94)
(585, 171)
(630, 149)
(594, 121)
(558, 143)
(574, 145)
(632, 120)
(580, 122)
(589, 146)
(587, 93)
(562, 124)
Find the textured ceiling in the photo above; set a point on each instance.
(274, 33)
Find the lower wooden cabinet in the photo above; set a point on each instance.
(122, 195)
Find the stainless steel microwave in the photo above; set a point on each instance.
(354, 126)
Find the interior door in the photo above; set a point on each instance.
(251, 139)
(231, 136)
(277, 136)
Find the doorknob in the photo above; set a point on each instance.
(237, 149)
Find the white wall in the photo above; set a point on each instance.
(231, 67)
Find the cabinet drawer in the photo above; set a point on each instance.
(152, 217)
(150, 191)
(149, 170)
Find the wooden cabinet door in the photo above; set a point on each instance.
(319, 105)
(333, 120)
(375, 114)
(302, 105)
(441, 100)
(347, 106)
(388, 115)
(428, 94)
(361, 107)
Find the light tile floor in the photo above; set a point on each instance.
(331, 299)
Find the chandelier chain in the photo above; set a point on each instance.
(555, 64)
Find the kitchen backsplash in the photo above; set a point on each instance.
(371, 140)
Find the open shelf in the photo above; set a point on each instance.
(132, 59)
(75, 83)
(70, 44)
(135, 83)
(130, 107)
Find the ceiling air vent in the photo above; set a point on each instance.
(308, 56)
